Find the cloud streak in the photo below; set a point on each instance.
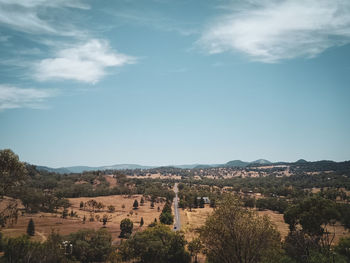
(271, 31)
(155, 21)
(24, 15)
(86, 62)
(12, 97)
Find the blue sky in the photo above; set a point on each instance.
(171, 82)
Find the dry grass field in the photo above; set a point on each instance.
(46, 222)
(190, 221)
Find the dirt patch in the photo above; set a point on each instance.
(111, 180)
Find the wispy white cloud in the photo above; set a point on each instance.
(155, 21)
(84, 62)
(75, 54)
(47, 3)
(12, 97)
(26, 15)
(273, 30)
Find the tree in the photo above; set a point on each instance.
(81, 205)
(104, 220)
(136, 204)
(64, 213)
(90, 245)
(31, 228)
(111, 208)
(92, 204)
(12, 171)
(156, 244)
(195, 202)
(166, 208)
(12, 175)
(195, 247)
(100, 206)
(201, 203)
(343, 247)
(126, 226)
(313, 215)
(212, 203)
(141, 221)
(152, 204)
(166, 218)
(235, 234)
(142, 201)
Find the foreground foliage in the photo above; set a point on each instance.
(156, 244)
(234, 234)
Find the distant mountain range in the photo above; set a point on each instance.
(235, 163)
(79, 169)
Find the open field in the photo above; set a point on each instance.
(46, 222)
(190, 221)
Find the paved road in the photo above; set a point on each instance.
(177, 223)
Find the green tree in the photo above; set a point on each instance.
(21, 249)
(111, 208)
(12, 172)
(167, 208)
(235, 234)
(31, 228)
(212, 203)
(136, 204)
(90, 245)
(156, 244)
(201, 203)
(64, 213)
(104, 220)
(195, 202)
(142, 201)
(1, 242)
(141, 221)
(195, 247)
(166, 218)
(309, 220)
(249, 202)
(343, 247)
(126, 226)
(12, 175)
(313, 214)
